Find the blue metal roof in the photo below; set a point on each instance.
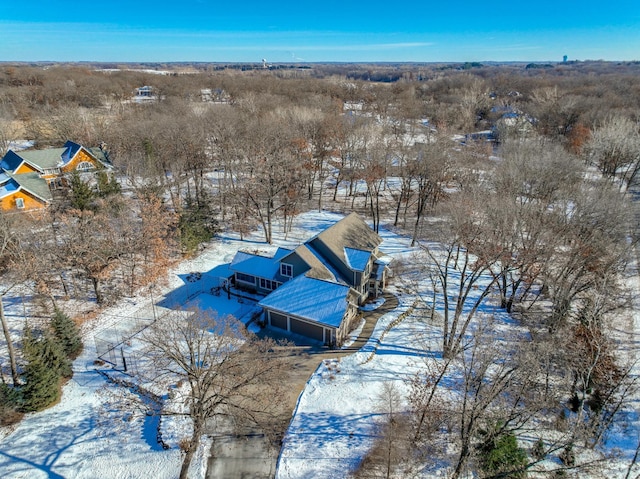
(357, 259)
(322, 302)
(258, 265)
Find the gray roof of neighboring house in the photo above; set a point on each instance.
(323, 302)
(32, 183)
(49, 157)
(350, 232)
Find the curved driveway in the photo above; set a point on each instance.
(251, 455)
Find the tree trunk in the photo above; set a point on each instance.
(190, 452)
(12, 354)
(96, 289)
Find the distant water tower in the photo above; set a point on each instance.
(564, 59)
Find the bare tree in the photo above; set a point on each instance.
(460, 267)
(614, 147)
(231, 375)
(388, 456)
(13, 265)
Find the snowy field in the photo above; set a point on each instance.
(88, 434)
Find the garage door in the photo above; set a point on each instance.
(278, 320)
(305, 329)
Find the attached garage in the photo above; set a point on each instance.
(310, 307)
(278, 320)
(307, 329)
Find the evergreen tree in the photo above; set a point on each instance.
(197, 225)
(46, 364)
(82, 195)
(106, 185)
(66, 333)
(10, 402)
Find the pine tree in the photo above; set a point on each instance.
(107, 185)
(82, 195)
(66, 333)
(46, 364)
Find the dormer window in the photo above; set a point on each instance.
(286, 270)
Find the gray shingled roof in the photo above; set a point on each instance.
(32, 183)
(318, 269)
(350, 232)
(48, 158)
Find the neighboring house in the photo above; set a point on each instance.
(145, 94)
(27, 177)
(23, 192)
(315, 289)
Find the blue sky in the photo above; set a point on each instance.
(342, 31)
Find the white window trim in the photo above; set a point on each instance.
(20, 203)
(85, 166)
(282, 265)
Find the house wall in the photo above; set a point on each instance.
(8, 203)
(347, 325)
(25, 168)
(299, 266)
(79, 158)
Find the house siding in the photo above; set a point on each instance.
(8, 203)
(299, 266)
(25, 168)
(77, 159)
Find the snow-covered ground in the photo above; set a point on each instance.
(90, 433)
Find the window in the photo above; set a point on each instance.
(246, 278)
(286, 270)
(268, 284)
(19, 203)
(84, 166)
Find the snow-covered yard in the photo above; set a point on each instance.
(87, 435)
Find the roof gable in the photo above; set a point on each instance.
(71, 150)
(43, 159)
(8, 186)
(357, 259)
(317, 269)
(33, 184)
(353, 233)
(11, 161)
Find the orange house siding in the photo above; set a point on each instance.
(79, 158)
(25, 168)
(30, 202)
